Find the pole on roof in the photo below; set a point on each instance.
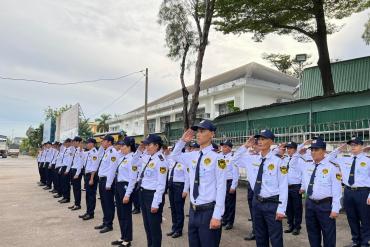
(146, 104)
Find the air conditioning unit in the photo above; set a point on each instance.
(204, 115)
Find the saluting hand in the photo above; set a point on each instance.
(250, 142)
(214, 224)
(188, 135)
(343, 147)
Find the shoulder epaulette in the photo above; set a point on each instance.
(161, 157)
(279, 156)
(333, 163)
(346, 155)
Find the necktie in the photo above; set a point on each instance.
(87, 158)
(351, 179)
(258, 184)
(196, 179)
(140, 180)
(312, 181)
(172, 172)
(287, 166)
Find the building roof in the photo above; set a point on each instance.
(250, 70)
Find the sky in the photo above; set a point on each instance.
(75, 40)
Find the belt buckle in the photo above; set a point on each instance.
(260, 198)
(193, 207)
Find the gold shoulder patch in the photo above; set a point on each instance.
(284, 170)
(338, 176)
(221, 164)
(113, 159)
(134, 168)
(162, 170)
(363, 164)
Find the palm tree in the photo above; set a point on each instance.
(102, 122)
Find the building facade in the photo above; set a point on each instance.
(248, 86)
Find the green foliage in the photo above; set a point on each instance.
(33, 140)
(54, 113)
(366, 34)
(231, 107)
(84, 130)
(286, 64)
(102, 122)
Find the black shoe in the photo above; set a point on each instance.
(54, 191)
(250, 237)
(47, 188)
(170, 233)
(126, 244)
(106, 229)
(42, 184)
(353, 245)
(99, 227)
(57, 196)
(223, 223)
(82, 216)
(249, 219)
(71, 207)
(296, 232)
(76, 208)
(88, 217)
(117, 242)
(65, 201)
(289, 230)
(176, 235)
(136, 211)
(229, 227)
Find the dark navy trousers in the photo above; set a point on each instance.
(294, 209)
(266, 227)
(107, 202)
(319, 225)
(65, 183)
(152, 221)
(76, 184)
(175, 190)
(358, 215)
(230, 204)
(250, 202)
(124, 212)
(135, 198)
(91, 194)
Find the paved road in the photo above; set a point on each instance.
(29, 216)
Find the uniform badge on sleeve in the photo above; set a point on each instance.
(95, 158)
(221, 164)
(134, 168)
(113, 159)
(207, 161)
(284, 170)
(162, 170)
(338, 176)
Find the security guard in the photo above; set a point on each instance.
(39, 155)
(106, 185)
(76, 173)
(91, 178)
(152, 184)
(178, 189)
(47, 162)
(232, 177)
(322, 183)
(49, 168)
(270, 191)
(72, 158)
(207, 173)
(65, 177)
(58, 167)
(52, 168)
(125, 184)
(294, 208)
(356, 178)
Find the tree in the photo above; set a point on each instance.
(33, 140)
(55, 112)
(305, 19)
(366, 34)
(84, 129)
(286, 64)
(102, 122)
(180, 40)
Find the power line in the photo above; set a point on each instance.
(68, 83)
(119, 97)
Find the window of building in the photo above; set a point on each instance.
(164, 121)
(226, 108)
(179, 117)
(151, 125)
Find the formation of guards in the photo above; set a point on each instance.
(133, 178)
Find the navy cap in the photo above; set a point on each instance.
(356, 140)
(120, 143)
(215, 146)
(68, 140)
(48, 142)
(318, 143)
(204, 124)
(91, 140)
(227, 143)
(77, 139)
(265, 133)
(153, 138)
(109, 138)
(128, 141)
(291, 145)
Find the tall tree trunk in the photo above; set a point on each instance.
(203, 37)
(322, 47)
(185, 92)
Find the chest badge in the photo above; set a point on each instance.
(284, 170)
(325, 171)
(151, 165)
(221, 164)
(207, 161)
(162, 170)
(113, 159)
(271, 167)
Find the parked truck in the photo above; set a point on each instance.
(13, 150)
(3, 146)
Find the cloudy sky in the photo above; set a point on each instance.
(73, 40)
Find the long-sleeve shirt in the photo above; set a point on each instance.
(60, 156)
(295, 166)
(72, 156)
(127, 171)
(212, 176)
(232, 170)
(327, 182)
(180, 173)
(108, 165)
(92, 161)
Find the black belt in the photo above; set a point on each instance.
(203, 207)
(178, 183)
(102, 178)
(274, 199)
(145, 190)
(357, 188)
(122, 182)
(325, 200)
(292, 186)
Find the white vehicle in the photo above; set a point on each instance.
(3, 147)
(13, 150)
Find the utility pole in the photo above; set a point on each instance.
(146, 104)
